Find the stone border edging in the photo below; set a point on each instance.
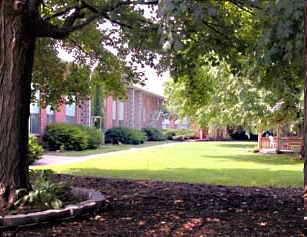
(95, 199)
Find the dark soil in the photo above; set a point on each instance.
(147, 208)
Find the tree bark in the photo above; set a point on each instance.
(305, 113)
(16, 62)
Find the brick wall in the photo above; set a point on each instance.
(129, 108)
(60, 114)
(151, 105)
(108, 112)
(42, 120)
(84, 112)
(138, 109)
(81, 116)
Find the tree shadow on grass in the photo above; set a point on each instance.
(228, 177)
(236, 144)
(259, 158)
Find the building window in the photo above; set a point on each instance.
(70, 113)
(121, 113)
(34, 116)
(114, 112)
(144, 114)
(50, 114)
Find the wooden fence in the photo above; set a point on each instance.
(285, 143)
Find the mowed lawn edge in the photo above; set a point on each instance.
(219, 163)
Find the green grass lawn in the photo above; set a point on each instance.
(105, 149)
(222, 163)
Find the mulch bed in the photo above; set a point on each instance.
(147, 208)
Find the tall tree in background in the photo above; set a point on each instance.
(260, 40)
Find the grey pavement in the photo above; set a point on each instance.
(60, 160)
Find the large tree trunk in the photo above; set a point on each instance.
(305, 113)
(16, 60)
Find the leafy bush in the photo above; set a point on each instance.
(37, 176)
(179, 134)
(44, 194)
(115, 135)
(153, 134)
(71, 137)
(124, 135)
(134, 136)
(94, 137)
(183, 134)
(169, 133)
(35, 150)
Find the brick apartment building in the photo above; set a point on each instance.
(140, 109)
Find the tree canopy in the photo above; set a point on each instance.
(111, 41)
(238, 62)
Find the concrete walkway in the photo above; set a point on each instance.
(60, 160)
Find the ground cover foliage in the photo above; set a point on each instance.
(46, 194)
(150, 208)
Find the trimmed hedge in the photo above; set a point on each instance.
(178, 134)
(94, 137)
(123, 135)
(153, 134)
(71, 137)
(169, 133)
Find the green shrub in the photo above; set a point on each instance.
(115, 135)
(134, 136)
(35, 150)
(124, 135)
(36, 176)
(179, 134)
(153, 134)
(94, 137)
(169, 133)
(59, 136)
(183, 134)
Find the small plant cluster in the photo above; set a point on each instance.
(60, 136)
(121, 135)
(178, 134)
(35, 150)
(153, 134)
(45, 194)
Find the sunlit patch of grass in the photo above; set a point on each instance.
(106, 148)
(222, 163)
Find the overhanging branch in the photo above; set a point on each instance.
(61, 13)
(46, 29)
(50, 30)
